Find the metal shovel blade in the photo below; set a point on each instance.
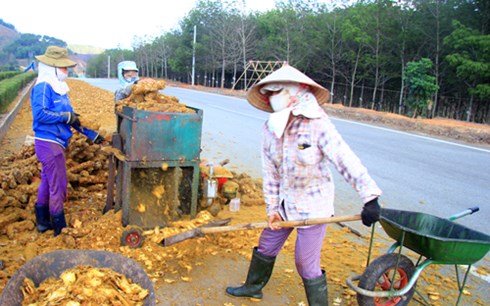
(182, 236)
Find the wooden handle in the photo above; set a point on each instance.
(258, 225)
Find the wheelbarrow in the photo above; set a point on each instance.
(391, 278)
(52, 264)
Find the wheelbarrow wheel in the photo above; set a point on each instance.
(133, 237)
(378, 276)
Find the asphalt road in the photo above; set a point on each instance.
(416, 173)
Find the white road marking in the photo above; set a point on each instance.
(415, 135)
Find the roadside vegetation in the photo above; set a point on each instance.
(10, 85)
(363, 53)
(417, 58)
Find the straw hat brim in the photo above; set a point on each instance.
(285, 74)
(56, 62)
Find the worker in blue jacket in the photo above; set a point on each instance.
(53, 119)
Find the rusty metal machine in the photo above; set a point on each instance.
(157, 178)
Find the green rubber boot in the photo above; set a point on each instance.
(316, 290)
(259, 273)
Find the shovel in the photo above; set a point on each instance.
(201, 231)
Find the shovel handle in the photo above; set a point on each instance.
(258, 225)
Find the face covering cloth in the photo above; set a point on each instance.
(48, 74)
(294, 99)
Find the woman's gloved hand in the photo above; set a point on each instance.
(73, 119)
(370, 212)
(99, 139)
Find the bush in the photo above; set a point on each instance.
(9, 88)
(8, 74)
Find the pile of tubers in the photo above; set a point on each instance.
(145, 95)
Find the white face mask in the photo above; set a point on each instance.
(131, 80)
(282, 99)
(279, 101)
(61, 75)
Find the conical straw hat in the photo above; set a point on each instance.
(285, 74)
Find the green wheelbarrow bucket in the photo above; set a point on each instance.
(391, 278)
(54, 263)
(435, 238)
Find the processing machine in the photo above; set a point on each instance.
(155, 178)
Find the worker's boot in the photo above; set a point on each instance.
(59, 222)
(316, 290)
(42, 218)
(259, 273)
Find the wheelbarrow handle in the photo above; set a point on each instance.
(466, 212)
(474, 209)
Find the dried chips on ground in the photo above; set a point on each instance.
(85, 285)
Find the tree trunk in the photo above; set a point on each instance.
(438, 51)
(223, 74)
(487, 121)
(402, 88)
(332, 59)
(235, 68)
(415, 111)
(376, 75)
(470, 109)
(362, 94)
(353, 79)
(381, 99)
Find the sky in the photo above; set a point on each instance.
(103, 23)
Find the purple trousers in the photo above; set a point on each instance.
(53, 188)
(307, 250)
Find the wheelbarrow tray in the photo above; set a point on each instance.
(52, 264)
(435, 238)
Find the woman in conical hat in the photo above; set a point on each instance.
(259, 94)
(299, 145)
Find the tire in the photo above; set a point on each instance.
(132, 237)
(378, 275)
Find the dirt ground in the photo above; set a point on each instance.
(197, 271)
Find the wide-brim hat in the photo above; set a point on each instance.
(285, 74)
(56, 57)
